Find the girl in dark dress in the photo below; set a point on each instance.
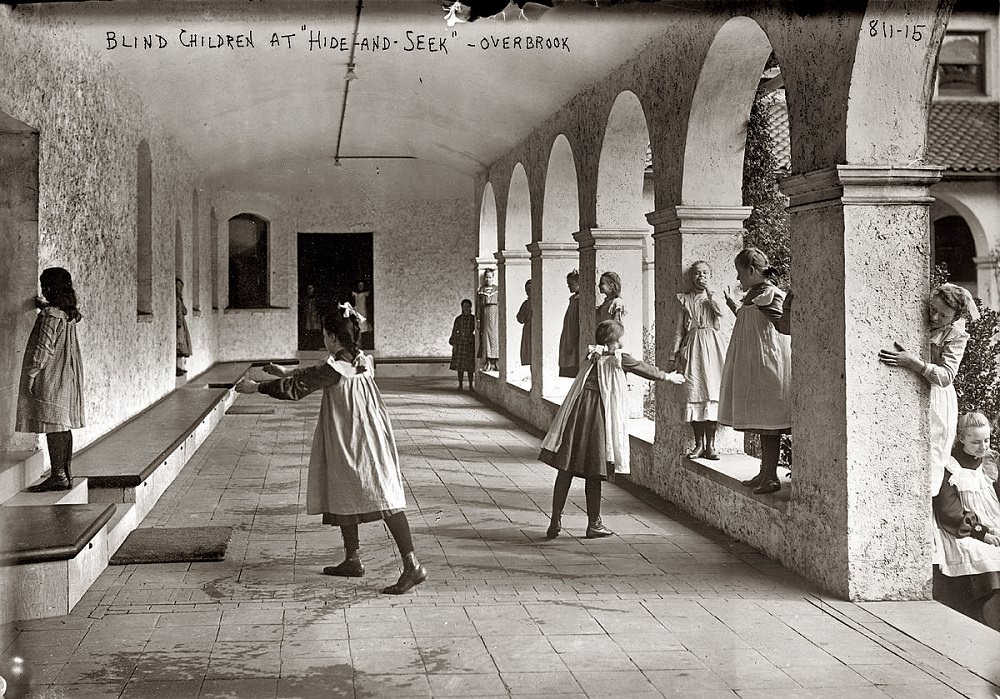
(589, 436)
(463, 343)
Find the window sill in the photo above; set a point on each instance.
(144, 318)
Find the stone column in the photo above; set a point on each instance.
(861, 517)
(550, 263)
(514, 268)
(684, 235)
(622, 251)
(987, 280)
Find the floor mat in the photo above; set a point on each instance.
(173, 545)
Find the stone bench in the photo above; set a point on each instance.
(50, 555)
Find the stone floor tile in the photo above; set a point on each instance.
(665, 660)
(77, 691)
(339, 667)
(396, 685)
(540, 683)
(455, 655)
(466, 685)
(162, 689)
(244, 689)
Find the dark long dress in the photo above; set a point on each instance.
(463, 343)
(581, 452)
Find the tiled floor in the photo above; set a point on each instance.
(666, 608)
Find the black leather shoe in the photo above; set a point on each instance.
(598, 530)
(57, 481)
(407, 579)
(767, 486)
(710, 454)
(755, 481)
(350, 568)
(555, 526)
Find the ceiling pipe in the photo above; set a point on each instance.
(350, 76)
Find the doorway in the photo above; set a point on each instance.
(334, 268)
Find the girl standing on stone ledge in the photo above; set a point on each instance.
(50, 397)
(354, 474)
(699, 350)
(947, 308)
(488, 314)
(613, 308)
(756, 378)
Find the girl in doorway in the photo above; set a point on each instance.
(699, 351)
(354, 474)
(947, 308)
(463, 343)
(967, 512)
(361, 300)
(613, 308)
(50, 395)
(183, 335)
(756, 377)
(589, 436)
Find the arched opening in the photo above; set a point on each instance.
(487, 300)
(730, 199)
(195, 253)
(623, 200)
(213, 234)
(248, 261)
(515, 274)
(488, 235)
(954, 249)
(559, 318)
(144, 231)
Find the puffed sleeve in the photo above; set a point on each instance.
(48, 331)
(953, 517)
(631, 365)
(952, 352)
(301, 383)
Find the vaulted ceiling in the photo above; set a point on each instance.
(269, 117)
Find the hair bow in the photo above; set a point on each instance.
(596, 351)
(349, 311)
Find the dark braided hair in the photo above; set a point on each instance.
(57, 288)
(346, 330)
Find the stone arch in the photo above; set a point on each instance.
(716, 137)
(517, 222)
(976, 228)
(561, 201)
(488, 229)
(881, 130)
(621, 203)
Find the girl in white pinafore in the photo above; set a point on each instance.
(354, 474)
(967, 513)
(947, 308)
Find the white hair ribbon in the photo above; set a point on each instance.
(596, 351)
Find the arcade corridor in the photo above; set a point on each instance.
(649, 612)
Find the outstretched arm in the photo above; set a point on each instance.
(294, 387)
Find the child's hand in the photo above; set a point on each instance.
(674, 377)
(274, 369)
(992, 539)
(246, 386)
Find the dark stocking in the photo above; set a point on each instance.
(60, 451)
(399, 527)
(352, 567)
(593, 490)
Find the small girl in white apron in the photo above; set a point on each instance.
(589, 436)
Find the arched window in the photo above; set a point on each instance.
(213, 234)
(144, 232)
(195, 254)
(248, 269)
(955, 248)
